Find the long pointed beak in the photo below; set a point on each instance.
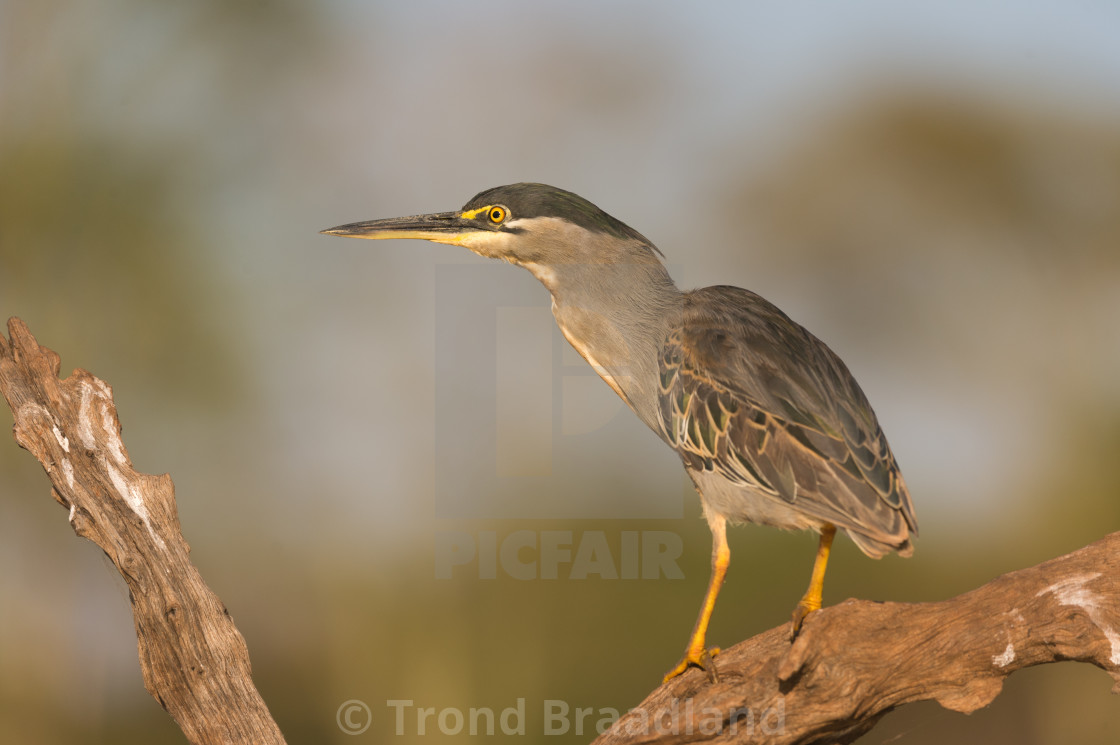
(444, 227)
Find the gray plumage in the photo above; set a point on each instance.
(772, 426)
(767, 419)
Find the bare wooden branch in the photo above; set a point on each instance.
(194, 660)
(856, 661)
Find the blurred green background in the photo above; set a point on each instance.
(934, 190)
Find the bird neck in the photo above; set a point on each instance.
(616, 315)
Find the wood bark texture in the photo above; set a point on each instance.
(194, 660)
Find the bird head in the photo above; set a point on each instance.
(532, 225)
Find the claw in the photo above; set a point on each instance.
(802, 610)
(699, 657)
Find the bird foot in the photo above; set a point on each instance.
(696, 657)
(803, 609)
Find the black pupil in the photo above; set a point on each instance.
(495, 215)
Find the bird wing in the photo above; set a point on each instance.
(750, 394)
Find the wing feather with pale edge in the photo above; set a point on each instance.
(750, 394)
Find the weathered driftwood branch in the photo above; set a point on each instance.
(194, 660)
(858, 660)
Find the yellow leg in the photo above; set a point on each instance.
(697, 655)
(812, 598)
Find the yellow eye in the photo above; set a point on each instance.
(497, 214)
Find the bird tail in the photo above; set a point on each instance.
(877, 548)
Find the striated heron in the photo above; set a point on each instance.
(770, 425)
